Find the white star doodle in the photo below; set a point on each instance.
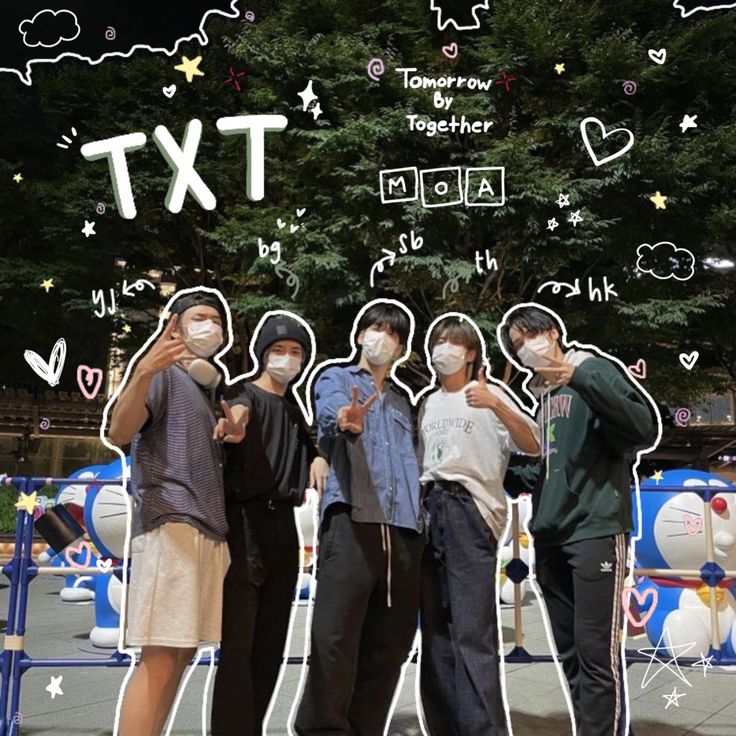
(552, 224)
(665, 665)
(307, 95)
(88, 229)
(673, 698)
(563, 200)
(688, 121)
(316, 111)
(54, 687)
(703, 662)
(575, 218)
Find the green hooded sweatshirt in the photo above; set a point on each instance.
(591, 430)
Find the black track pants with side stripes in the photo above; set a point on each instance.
(582, 583)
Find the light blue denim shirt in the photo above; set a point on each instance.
(376, 472)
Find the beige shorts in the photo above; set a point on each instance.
(175, 594)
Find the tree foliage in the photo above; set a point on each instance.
(330, 166)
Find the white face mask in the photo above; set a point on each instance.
(378, 347)
(448, 359)
(203, 337)
(283, 368)
(531, 352)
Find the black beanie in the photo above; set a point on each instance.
(278, 328)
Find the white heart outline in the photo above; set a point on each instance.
(51, 371)
(592, 155)
(658, 56)
(688, 360)
(169, 91)
(104, 566)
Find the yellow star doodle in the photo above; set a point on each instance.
(26, 502)
(657, 476)
(190, 67)
(126, 328)
(559, 68)
(659, 201)
(18, 178)
(47, 284)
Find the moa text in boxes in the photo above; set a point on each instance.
(446, 186)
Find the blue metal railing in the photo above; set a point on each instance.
(21, 570)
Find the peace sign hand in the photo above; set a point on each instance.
(231, 427)
(479, 396)
(350, 418)
(557, 373)
(166, 351)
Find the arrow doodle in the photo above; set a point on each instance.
(557, 287)
(138, 285)
(379, 265)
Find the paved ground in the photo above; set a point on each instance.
(535, 698)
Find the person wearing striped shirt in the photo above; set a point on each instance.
(179, 555)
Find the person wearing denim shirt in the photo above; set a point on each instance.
(371, 537)
(375, 472)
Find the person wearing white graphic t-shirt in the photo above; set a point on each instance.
(467, 431)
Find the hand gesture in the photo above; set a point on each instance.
(318, 472)
(231, 428)
(479, 396)
(164, 352)
(557, 373)
(350, 418)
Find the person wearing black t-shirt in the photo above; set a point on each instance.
(266, 475)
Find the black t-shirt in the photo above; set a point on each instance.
(272, 462)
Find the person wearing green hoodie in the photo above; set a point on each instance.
(594, 420)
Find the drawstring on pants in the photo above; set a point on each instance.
(386, 545)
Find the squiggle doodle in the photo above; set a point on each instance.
(688, 7)
(461, 14)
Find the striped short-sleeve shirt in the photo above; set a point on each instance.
(176, 466)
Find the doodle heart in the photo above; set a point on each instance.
(589, 121)
(638, 369)
(641, 599)
(281, 224)
(688, 360)
(89, 380)
(658, 56)
(49, 371)
(450, 51)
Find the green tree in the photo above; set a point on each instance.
(330, 166)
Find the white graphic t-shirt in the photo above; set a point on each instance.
(470, 446)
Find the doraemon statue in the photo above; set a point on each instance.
(506, 552)
(674, 538)
(105, 515)
(77, 588)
